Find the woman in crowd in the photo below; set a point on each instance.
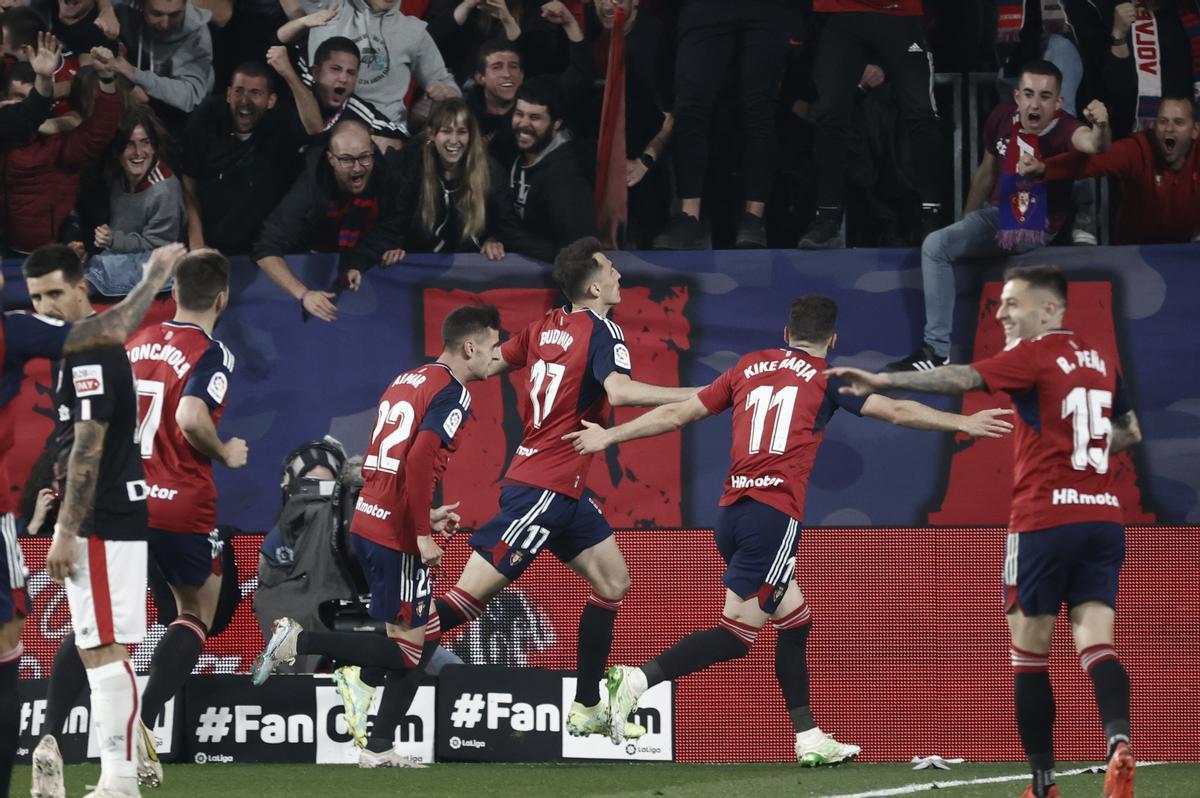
(145, 198)
(453, 198)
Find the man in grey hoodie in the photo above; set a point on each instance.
(171, 51)
(395, 49)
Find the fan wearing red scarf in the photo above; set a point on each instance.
(1005, 212)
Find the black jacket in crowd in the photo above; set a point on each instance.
(300, 223)
(402, 229)
(552, 198)
(238, 181)
(21, 120)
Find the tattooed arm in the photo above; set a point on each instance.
(943, 379)
(1125, 433)
(112, 327)
(83, 471)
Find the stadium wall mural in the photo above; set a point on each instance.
(687, 317)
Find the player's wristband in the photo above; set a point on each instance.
(647, 160)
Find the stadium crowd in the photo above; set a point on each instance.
(374, 128)
(371, 129)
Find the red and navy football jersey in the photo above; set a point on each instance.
(426, 398)
(781, 405)
(569, 355)
(1066, 393)
(23, 337)
(170, 361)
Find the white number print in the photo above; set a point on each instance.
(401, 415)
(537, 377)
(1085, 407)
(763, 399)
(148, 421)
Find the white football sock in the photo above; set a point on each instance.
(115, 705)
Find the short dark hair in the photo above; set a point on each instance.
(1180, 98)
(1049, 278)
(490, 48)
(23, 25)
(468, 320)
(50, 258)
(812, 318)
(575, 265)
(255, 69)
(543, 90)
(20, 72)
(1044, 68)
(201, 275)
(335, 44)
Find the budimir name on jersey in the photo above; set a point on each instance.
(560, 337)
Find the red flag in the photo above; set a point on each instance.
(611, 191)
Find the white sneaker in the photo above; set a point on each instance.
(105, 792)
(149, 769)
(625, 687)
(815, 748)
(388, 759)
(356, 701)
(280, 648)
(47, 779)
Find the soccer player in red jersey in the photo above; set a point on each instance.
(182, 377)
(578, 365)
(1066, 541)
(64, 325)
(416, 430)
(781, 405)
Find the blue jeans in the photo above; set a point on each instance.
(116, 273)
(973, 236)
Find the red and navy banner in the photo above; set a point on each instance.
(687, 317)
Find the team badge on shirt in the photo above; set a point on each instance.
(453, 422)
(89, 380)
(217, 386)
(621, 356)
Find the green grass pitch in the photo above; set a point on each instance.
(644, 780)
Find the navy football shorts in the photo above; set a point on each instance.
(1074, 563)
(186, 559)
(758, 544)
(531, 519)
(399, 583)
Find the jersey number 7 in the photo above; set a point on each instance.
(154, 392)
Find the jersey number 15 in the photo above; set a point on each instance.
(1085, 407)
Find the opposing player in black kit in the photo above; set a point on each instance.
(99, 548)
(24, 337)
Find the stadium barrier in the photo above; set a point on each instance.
(686, 317)
(909, 656)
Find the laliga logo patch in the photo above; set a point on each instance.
(621, 356)
(89, 380)
(453, 422)
(217, 387)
